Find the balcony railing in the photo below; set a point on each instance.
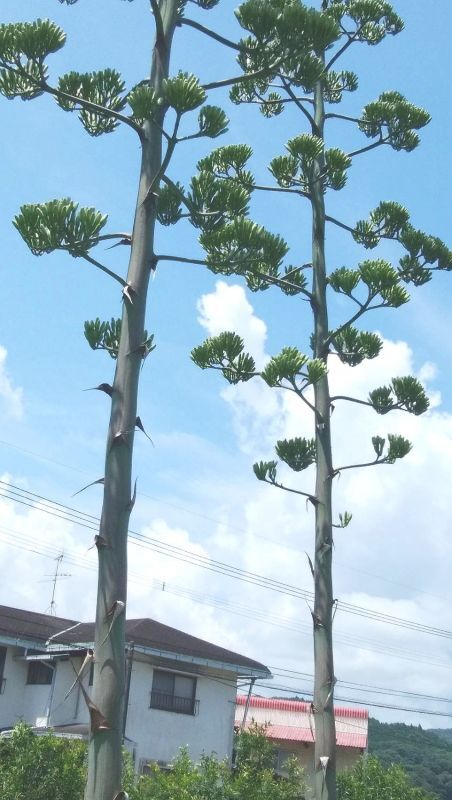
(171, 702)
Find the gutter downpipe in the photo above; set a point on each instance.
(128, 681)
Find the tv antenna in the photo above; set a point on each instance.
(57, 575)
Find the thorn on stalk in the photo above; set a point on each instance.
(101, 543)
(126, 240)
(129, 293)
(120, 438)
(93, 483)
(310, 564)
(115, 611)
(316, 620)
(131, 502)
(103, 387)
(140, 426)
(89, 658)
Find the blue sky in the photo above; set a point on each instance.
(52, 433)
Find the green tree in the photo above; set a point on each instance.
(301, 49)
(369, 780)
(41, 767)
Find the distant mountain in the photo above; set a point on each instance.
(426, 755)
(443, 733)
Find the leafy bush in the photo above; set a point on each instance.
(253, 777)
(41, 767)
(370, 780)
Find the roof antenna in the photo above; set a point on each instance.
(54, 578)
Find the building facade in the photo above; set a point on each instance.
(290, 726)
(180, 690)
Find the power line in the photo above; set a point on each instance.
(229, 525)
(284, 672)
(23, 542)
(429, 712)
(39, 502)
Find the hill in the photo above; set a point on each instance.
(426, 755)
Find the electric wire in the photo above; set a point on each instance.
(89, 521)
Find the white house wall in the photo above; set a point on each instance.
(21, 701)
(160, 734)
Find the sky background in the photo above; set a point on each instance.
(196, 489)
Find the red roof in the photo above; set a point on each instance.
(298, 705)
(290, 733)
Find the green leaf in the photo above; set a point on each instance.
(374, 20)
(242, 246)
(32, 40)
(382, 399)
(405, 393)
(59, 225)
(225, 353)
(381, 278)
(298, 453)
(265, 471)
(393, 117)
(103, 335)
(388, 220)
(229, 162)
(345, 519)
(344, 280)
(23, 49)
(336, 164)
(169, 204)
(144, 102)
(306, 148)
(336, 83)
(293, 281)
(214, 202)
(183, 92)
(272, 106)
(378, 444)
(316, 369)
(104, 88)
(410, 394)
(286, 365)
(353, 346)
(398, 447)
(284, 169)
(212, 121)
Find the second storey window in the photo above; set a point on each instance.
(39, 673)
(172, 692)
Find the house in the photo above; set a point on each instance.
(180, 690)
(290, 725)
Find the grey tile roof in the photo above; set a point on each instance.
(149, 633)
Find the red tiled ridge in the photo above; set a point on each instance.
(290, 733)
(298, 705)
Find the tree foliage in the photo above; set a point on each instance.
(370, 780)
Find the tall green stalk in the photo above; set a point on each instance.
(300, 46)
(323, 706)
(104, 760)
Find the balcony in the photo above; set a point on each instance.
(171, 702)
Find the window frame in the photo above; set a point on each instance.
(43, 673)
(170, 702)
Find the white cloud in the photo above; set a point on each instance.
(11, 396)
(395, 555)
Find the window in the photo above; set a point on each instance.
(40, 673)
(172, 692)
(2, 668)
